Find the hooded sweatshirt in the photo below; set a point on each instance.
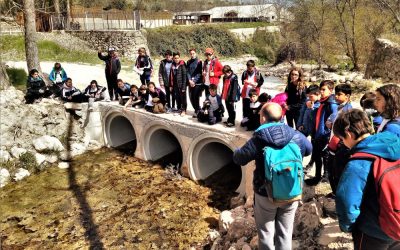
(356, 198)
(270, 134)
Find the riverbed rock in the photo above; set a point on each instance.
(331, 233)
(40, 158)
(16, 152)
(21, 174)
(4, 177)
(307, 218)
(47, 143)
(4, 156)
(63, 165)
(328, 206)
(51, 158)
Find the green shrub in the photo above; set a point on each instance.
(17, 77)
(181, 38)
(28, 161)
(265, 44)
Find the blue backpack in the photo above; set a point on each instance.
(238, 93)
(283, 172)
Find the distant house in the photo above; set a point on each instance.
(241, 13)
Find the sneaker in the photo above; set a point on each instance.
(183, 113)
(229, 125)
(225, 122)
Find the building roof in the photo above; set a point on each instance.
(257, 10)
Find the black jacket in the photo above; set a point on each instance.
(178, 75)
(233, 87)
(33, 85)
(113, 65)
(194, 70)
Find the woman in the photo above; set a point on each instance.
(296, 91)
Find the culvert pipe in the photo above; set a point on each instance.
(208, 155)
(119, 131)
(160, 142)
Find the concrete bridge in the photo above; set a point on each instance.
(200, 149)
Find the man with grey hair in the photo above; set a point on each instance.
(274, 220)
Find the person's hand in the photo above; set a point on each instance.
(191, 83)
(328, 124)
(183, 90)
(69, 97)
(41, 91)
(170, 89)
(285, 106)
(211, 73)
(309, 104)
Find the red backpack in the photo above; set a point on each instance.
(387, 184)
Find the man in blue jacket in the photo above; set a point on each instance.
(271, 234)
(357, 203)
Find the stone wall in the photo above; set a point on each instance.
(126, 42)
(384, 61)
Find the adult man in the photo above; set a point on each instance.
(113, 67)
(163, 78)
(274, 134)
(194, 71)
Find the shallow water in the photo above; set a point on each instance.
(107, 199)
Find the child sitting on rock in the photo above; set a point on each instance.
(35, 87)
(213, 110)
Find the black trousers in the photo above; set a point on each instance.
(168, 96)
(194, 95)
(230, 107)
(206, 90)
(145, 78)
(180, 98)
(366, 242)
(246, 107)
(317, 154)
(31, 96)
(292, 116)
(111, 84)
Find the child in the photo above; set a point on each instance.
(212, 70)
(123, 91)
(337, 154)
(367, 104)
(97, 92)
(70, 93)
(387, 102)
(194, 70)
(229, 93)
(213, 109)
(251, 79)
(178, 82)
(305, 122)
(357, 204)
(134, 99)
(143, 66)
(155, 100)
(281, 99)
(252, 121)
(58, 76)
(263, 98)
(321, 133)
(35, 87)
(164, 73)
(295, 89)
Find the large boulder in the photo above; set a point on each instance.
(384, 61)
(48, 143)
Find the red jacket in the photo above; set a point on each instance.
(216, 67)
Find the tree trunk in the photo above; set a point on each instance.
(4, 80)
(57, 7)
(69, 16)
(31, 50)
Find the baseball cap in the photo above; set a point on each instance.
(209, 51)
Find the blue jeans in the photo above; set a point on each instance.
(274, 223)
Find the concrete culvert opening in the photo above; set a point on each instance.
(121, 135)
(164, 148)
(214, 168)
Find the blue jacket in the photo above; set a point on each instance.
(306, 118)
(393, 126)
(126, 92)
(277, 135)
(329, 107)
(356, 199)
(52, 75)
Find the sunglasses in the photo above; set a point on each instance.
(208, 54)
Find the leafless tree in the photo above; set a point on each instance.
(392, 7)
(4, 80)
(31, 50)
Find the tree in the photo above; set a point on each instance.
(4, 80)
(392, 7)
(31, 50)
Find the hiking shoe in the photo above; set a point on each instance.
(313, 181)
